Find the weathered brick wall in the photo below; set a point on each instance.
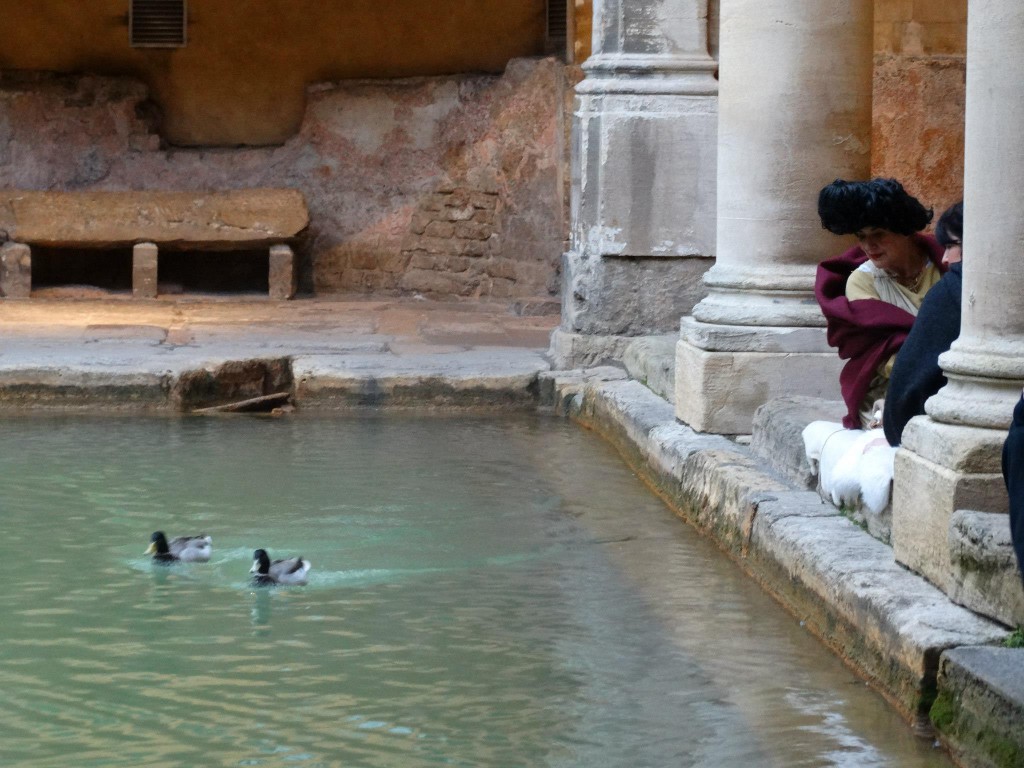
(445, 186)
(919, 96)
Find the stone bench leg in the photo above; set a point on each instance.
(15, 271)
(283, 274)
(144, 270)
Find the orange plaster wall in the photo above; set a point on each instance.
(583, 29)
(242, 77)
(919, 96)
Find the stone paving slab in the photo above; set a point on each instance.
(491, 377)
(73, 353)
(778, 434)
(980, 708)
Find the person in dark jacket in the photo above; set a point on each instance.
(916, 374)
(1013, 476)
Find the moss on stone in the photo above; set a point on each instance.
(1016, 640)
(971, 737)
(943, 712)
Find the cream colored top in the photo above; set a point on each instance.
(869, 282)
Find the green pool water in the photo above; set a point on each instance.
(484, 593)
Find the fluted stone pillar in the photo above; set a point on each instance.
(794, 114)
(952, 457)
(643, 178)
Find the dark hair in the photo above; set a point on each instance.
(846, 207)
(950, 228)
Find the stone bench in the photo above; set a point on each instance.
(148, 221)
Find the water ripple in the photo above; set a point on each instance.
(515, 598)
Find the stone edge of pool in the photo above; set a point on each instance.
(933, 660)
(925, 654)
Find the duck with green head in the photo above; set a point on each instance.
(186, 549)
(292, 570)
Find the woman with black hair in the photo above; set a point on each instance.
(917, 375)
(870, 294)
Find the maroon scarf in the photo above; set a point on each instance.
(867, 332)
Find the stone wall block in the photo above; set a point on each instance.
(925, 495)
(429, 281)
(503, 268)
(435, 245)
(918, 129)
(439, 229)
(467, 142)
(218, 218)
(984, 573)
(501, 288)
(393, 262)
(470, 247)
(970, 450)
(434, 203)
(484, 217)
(733, 385)
(283, 276)
(144, 270)
(15, 271)
(778, 434)
(421, 260)
(457, 199)
(460, 214)
(484, 201)
(979, 707)
(420, 221)
(471, 230)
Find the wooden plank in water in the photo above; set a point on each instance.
(250, 405)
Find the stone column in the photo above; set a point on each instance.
(643, 177)
(794, 114)
(952, 457)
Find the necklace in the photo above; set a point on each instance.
(912, 284)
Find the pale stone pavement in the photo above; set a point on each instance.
(53, 343)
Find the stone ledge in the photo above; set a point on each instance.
(984, 574)
(888, 623)
(456, 380)
(980, 706)
(558, 389)
(970, 450)
(778, 434)
(571, 350)
(224, 218)
(652, 360)
(70, 389)
(164, 381)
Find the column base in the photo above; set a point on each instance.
(941, 468)
(724, 373)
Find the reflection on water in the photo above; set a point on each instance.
(483, 594)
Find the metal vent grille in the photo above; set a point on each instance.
(157, 23)
(558, 20)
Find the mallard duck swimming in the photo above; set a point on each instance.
(189, 549)
(267, 573)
